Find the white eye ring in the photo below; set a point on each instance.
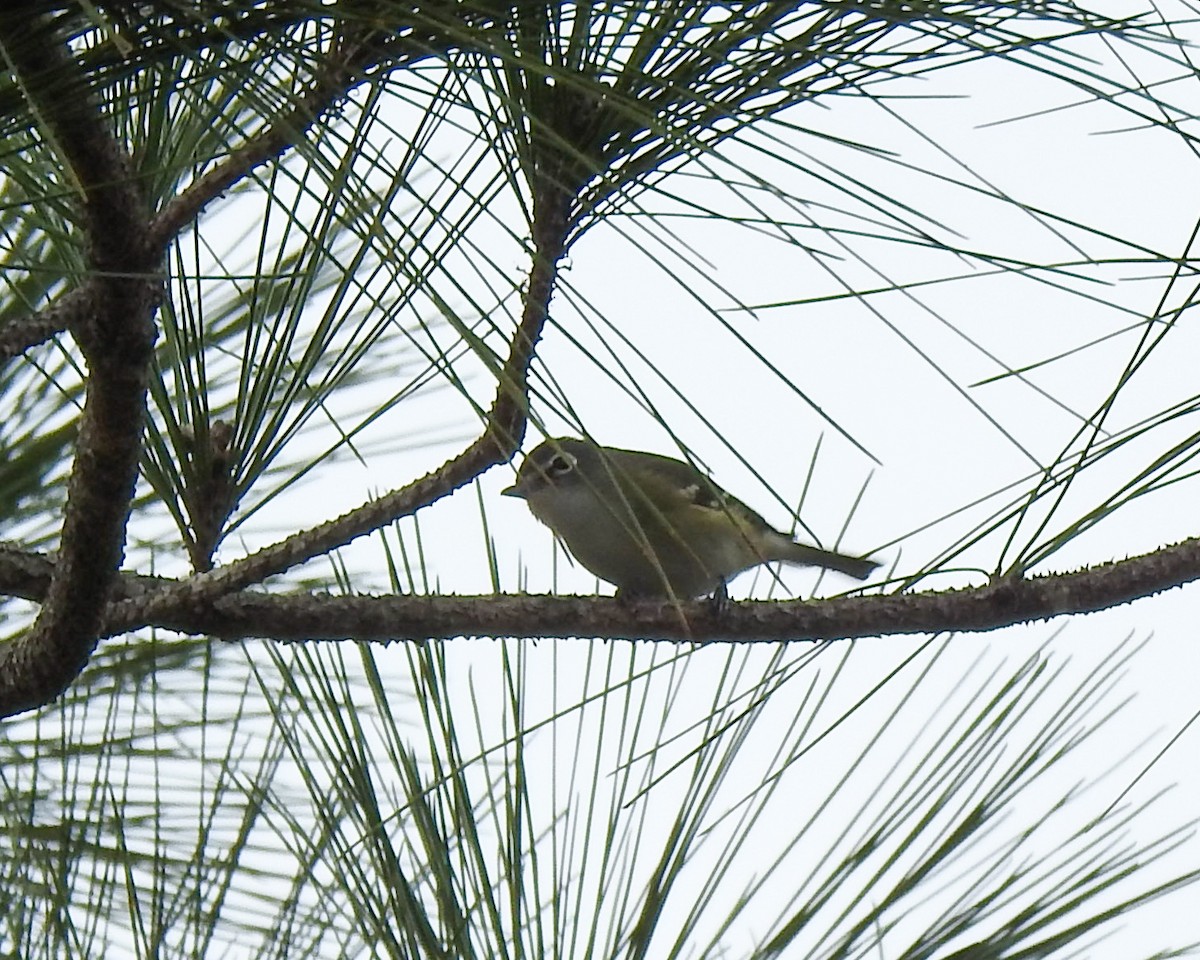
(560, 464)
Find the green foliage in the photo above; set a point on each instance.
(343, 309)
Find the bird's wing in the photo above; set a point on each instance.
(691, 482)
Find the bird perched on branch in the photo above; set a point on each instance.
(652, 525)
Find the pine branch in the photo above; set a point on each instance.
(113, 324)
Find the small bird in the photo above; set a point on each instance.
(652, 525)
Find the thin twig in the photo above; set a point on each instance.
(23, 334)
(326, 88)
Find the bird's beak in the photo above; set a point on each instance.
(513, 491)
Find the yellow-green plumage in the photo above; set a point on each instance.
(654, 526)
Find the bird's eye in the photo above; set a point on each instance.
(560, 465)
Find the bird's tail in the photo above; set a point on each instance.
(857, 567)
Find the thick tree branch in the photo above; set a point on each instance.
(310, 617)
(999, 604)
(114, 328)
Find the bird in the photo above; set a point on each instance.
(654, 526)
